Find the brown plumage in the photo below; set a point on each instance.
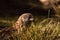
(6, 33)
(23, 20)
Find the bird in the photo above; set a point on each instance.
(24, 20)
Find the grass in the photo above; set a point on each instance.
(44, 29)
(47, 30)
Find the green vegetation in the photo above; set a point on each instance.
(48, 29)
(44, 29)
(41, 29)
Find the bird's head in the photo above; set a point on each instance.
(27, 18)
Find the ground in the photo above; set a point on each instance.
(41, 29)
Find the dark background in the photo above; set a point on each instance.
(10, 10)
(17, 7)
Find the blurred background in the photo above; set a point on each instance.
(17, 7)
(46, 25)
(12, 9)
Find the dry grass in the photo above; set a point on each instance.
(47, 29)
(41, 29)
